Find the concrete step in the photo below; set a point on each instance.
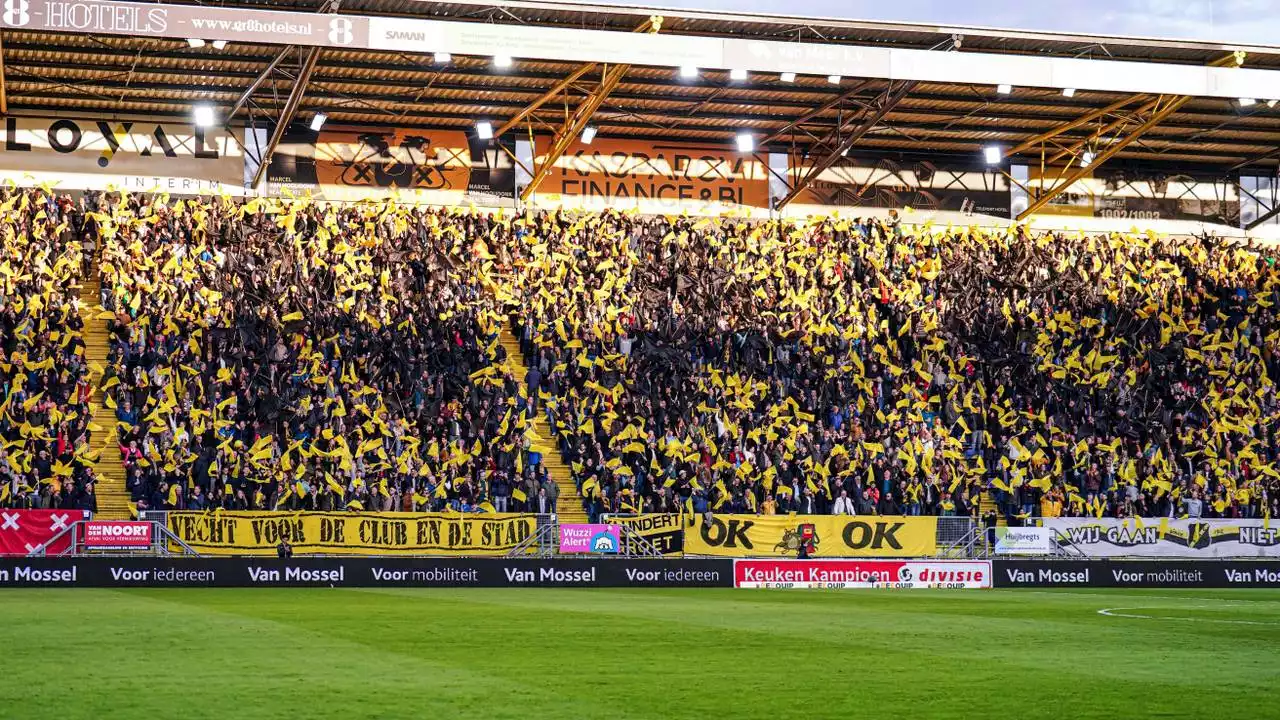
(569, 504)
(113, 499)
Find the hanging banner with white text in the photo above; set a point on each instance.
(1134, 537)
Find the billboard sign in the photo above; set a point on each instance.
(116, 535)
(1192, 538)
(653, 176)
(861, 574)
(598, 538)
(100, 153)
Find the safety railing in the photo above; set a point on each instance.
(147, 538)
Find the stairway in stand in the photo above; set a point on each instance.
(987, 501)
(569, 505)
(113, 497)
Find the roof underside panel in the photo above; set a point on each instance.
(107, 76)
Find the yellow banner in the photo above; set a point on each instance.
(341, 533)
(664, 531)
(834, 535)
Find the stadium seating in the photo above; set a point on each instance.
(287, 355)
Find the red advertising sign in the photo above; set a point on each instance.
(853, 574)
(22, 531)
(116, 535)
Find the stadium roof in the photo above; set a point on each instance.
(120, 76)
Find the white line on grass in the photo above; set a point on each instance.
(1111, 612)
(1143, 596)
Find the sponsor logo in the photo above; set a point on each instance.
(945, 574)
(66, 136)
(604, 542)
(442, 575)
(107, 534)
(1047, 576)
(163, 576)
(846, 574)
(16, 13)
(340, 31)
(295, 574)
(672, 576)
(792, 539)
(550, 575)
(1171, 576)
(28, 574)
(1259, 576)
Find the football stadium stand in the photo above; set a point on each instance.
(276, 354)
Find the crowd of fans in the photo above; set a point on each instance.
(293, 356)
(289, 355)
(48, 459)
(854, 367)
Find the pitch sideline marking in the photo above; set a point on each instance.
(1236, 601)
(1111, 612)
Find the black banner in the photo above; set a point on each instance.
(922, 185)
(1137, 573)
(1133, 194)
(493, 173)
(363, 572)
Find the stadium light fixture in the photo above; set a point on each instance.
(318, 121)
(442, 57)
(1246, 102)
(746, 142)
(588, 134)
(202, 115)
(992, 154)
(218, 44)
(1069, 92)
(1004, 88)
(484, 130)
(688, 72)
(502, 62)
(1086, 158)
(833, 79)
(787, 77)
(737, 74)
(195, 42)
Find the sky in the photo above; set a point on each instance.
(1246, 22)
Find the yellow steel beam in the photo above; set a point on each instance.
(1235, 58)
(1072, 125)
(809, 115)
(574, 125)
(4, 90)
(650, 25)
(1171, 106)
(286, 115)
(543, 99)
(867, 120)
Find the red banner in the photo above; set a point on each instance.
(116, 535)
(22, 531)
(852, 574)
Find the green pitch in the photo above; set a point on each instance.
(708, 654)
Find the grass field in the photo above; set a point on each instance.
(321, 653)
